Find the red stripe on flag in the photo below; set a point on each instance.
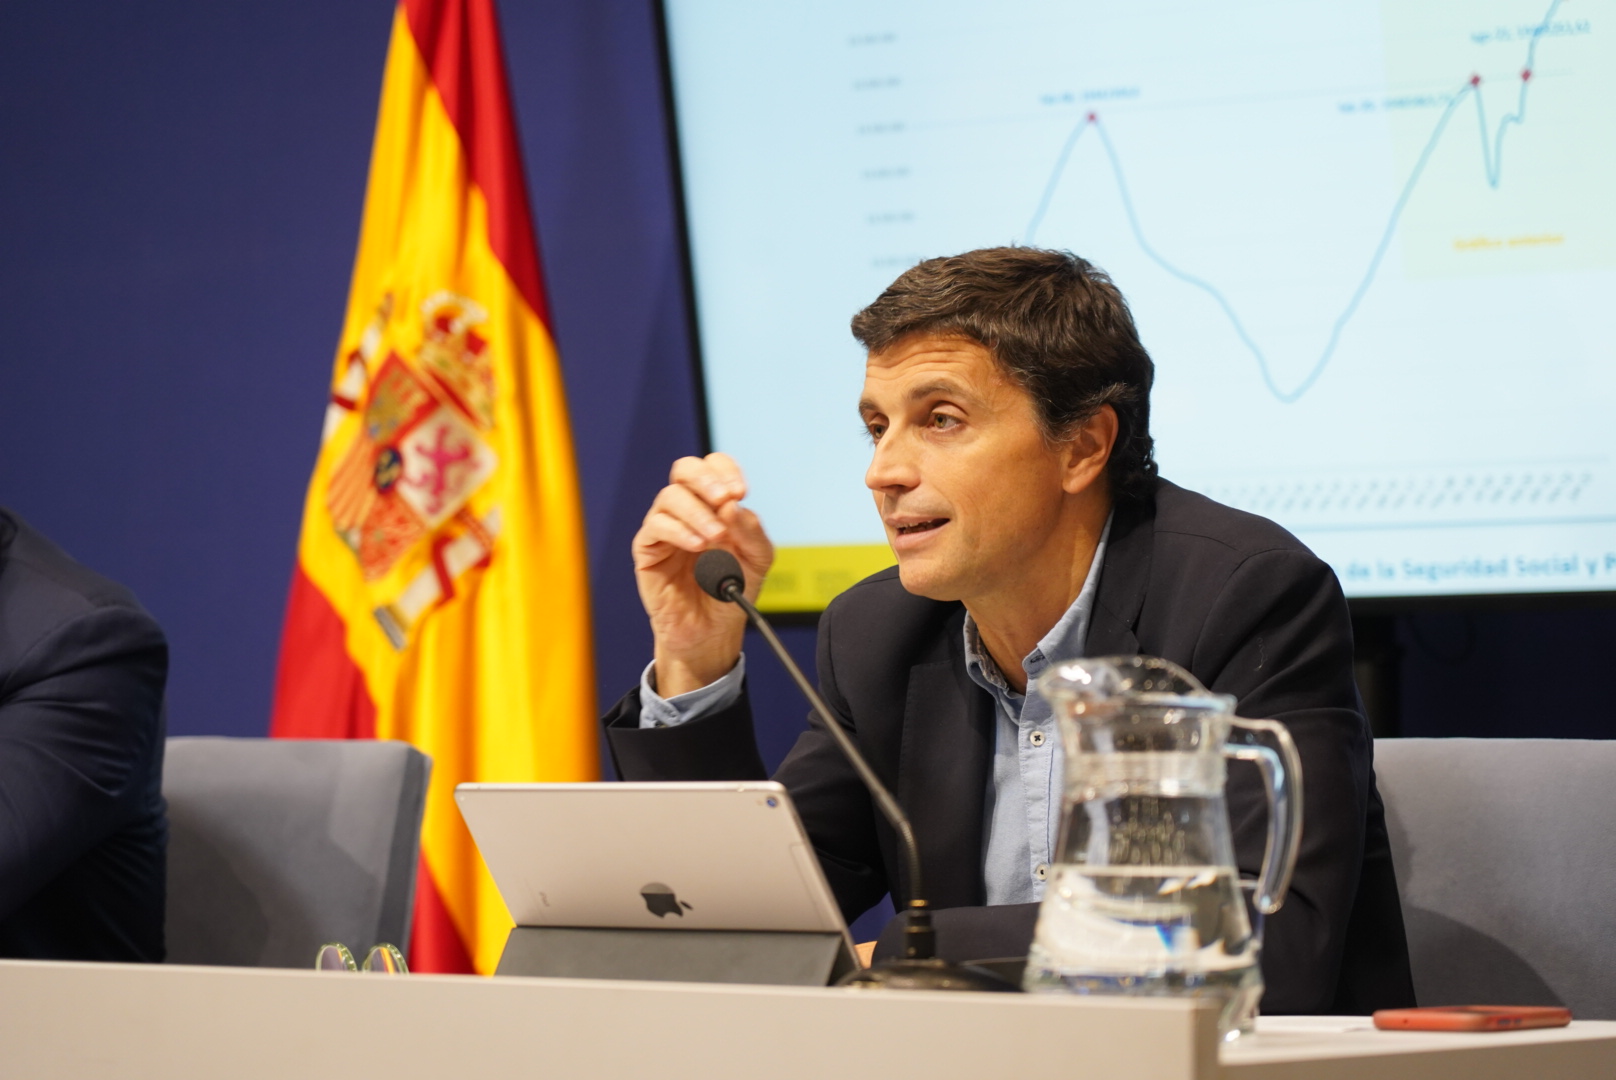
(319, 692)
(446, 589)
(459, 40)
(435, 945)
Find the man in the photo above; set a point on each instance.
(82, 826)
(1006, 396)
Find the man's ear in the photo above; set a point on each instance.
(1088, 449)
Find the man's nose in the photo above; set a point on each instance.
(892, 467)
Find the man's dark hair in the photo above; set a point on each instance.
(1055, 324)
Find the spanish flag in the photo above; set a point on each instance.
(440, 595)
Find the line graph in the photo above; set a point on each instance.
(1492, 151)
(1371, 245)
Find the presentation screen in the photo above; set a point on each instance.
(1371, 247)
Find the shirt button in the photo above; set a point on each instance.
(1036, 738)
(1042, 872)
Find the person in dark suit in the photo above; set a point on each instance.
(1007, 400)
(82, 825)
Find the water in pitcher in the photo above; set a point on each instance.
(1144, 899)
(1154, 931)
(1139, 901)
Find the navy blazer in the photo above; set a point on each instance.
(1233, 598)
(82, 826)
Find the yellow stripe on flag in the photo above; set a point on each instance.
(456, 561)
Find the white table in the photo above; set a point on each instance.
(130, 1022)
(1343, 1047)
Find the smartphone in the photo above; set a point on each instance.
(1472, 1018)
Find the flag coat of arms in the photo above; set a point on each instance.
(440, 594)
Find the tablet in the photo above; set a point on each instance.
(675, 856)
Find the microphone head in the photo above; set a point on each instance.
(716, 570)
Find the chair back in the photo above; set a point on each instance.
(279, 845)
(1506, 861)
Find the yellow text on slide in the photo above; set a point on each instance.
(808, 578)
(1492, 243)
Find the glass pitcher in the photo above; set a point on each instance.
(1143, 897)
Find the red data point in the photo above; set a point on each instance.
(1526, 74)
(1475, 80)
(1093, 118)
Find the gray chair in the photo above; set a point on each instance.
(278, 845)
(1506, 861)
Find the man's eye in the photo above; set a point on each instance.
(874, 431)
(943, 421)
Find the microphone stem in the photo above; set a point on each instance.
(883, 798)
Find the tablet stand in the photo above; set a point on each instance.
(782, 958)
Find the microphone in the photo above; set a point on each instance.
(720, 576)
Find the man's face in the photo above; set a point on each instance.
(968, 488)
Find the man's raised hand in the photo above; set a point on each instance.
(698, 639)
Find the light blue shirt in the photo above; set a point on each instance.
(658, 711)
(1023, 801)
(1022, 807)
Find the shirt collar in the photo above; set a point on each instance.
(1063, 642)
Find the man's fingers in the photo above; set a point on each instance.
(724, 466)
(746, 533)
(696, 514)
(663, 528)
(716, 478)
(748, 540)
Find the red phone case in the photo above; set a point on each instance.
(1472, 1018)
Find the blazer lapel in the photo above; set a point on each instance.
(943, 771)
(946, 755)
(1122, 582)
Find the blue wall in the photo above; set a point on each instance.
(180, 188)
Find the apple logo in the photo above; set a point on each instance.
(660, 901)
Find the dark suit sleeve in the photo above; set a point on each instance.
(719, 746)
(80, 726)
(1279, 638)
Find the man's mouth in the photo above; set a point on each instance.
(921, 526)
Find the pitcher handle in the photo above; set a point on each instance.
(1282, 775)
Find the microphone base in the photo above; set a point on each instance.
(927, 975)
